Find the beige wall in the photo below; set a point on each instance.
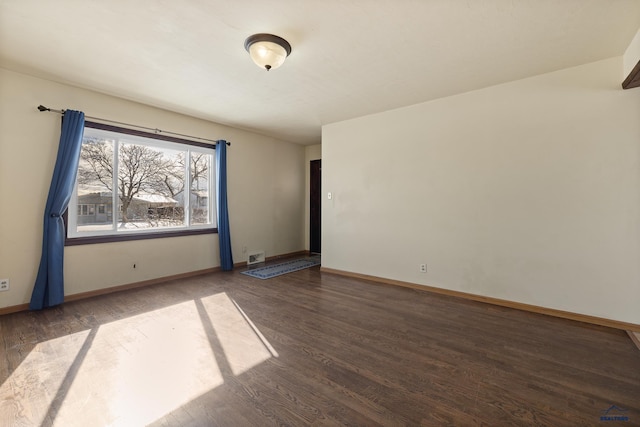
(266, 189)
(527, 191)
(311, 152)
(632, 55)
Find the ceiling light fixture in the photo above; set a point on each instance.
(267, 51)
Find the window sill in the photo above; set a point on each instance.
(135, 236)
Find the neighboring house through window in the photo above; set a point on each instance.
(146, 177)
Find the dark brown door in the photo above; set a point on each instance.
(315, 205)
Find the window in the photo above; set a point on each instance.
(159, 185)
(84, 210)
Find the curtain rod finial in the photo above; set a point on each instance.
(43, 108)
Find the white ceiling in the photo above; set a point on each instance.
(350, 57)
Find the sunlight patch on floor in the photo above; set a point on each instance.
(243, 349)
(155, 362)
(35, 379)
(259, 334)
(138, 369)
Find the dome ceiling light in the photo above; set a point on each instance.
(267, 51)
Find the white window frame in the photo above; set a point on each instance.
(119, 136)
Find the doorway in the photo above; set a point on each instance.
(315, 205)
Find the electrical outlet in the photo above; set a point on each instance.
(4, 285)
(423, 268)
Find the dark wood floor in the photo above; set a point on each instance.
(308, 349)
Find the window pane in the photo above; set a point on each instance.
(200, 172)
(130, 182)
(149, 179)
(95, 179)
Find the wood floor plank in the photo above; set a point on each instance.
(307, 348)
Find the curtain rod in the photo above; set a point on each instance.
(154, 130)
